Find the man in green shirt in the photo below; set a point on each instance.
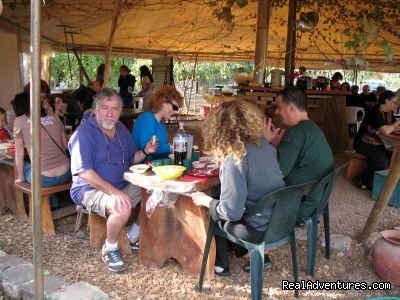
(303, 151)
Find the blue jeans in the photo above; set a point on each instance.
(48, 181)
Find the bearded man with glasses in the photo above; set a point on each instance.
(101, 151)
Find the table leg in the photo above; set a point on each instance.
(7, 192)
(178, 232)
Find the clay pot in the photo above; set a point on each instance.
(386, 256)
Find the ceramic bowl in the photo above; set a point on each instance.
(206, 159)
(198, 165)
(140, 168)
(211, 166)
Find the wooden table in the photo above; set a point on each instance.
(387, 189)
(178, 232)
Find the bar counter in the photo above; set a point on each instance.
(325, 107)
(279, 89)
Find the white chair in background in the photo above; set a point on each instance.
(352, 112)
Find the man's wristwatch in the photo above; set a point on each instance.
(145, 153)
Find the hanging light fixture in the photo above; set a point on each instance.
(308, 21)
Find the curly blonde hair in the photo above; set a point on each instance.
(229, 127)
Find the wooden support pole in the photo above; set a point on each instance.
(290, 42)
(35, 149)
(263, 15)
(114, 25)
(78, 58)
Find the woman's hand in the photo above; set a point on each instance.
(60, 107)
(151, 146)
(201, 199)
(271, 133)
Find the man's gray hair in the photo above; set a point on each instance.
(107, 93)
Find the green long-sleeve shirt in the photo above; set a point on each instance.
(304, 155)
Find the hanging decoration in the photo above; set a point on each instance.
(308, 21)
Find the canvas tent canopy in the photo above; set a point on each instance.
(220, 30)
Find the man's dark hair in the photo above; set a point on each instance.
(125, 67)
(295, 95)
(354, 89)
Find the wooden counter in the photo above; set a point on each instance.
(326, 108)
(279, 89)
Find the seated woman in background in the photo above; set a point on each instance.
(163, 105)
(379, 119)
(233, 134)
(55, 165)
(345, 86)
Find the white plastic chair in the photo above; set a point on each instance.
(352, 112)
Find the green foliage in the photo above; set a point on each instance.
(60, 71)
(208, 74)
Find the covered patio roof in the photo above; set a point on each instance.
(217, 30)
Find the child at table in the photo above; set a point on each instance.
(5, 131)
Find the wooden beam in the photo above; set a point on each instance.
(290, 42)
(81, 65)
(114, 25)
(263, 15)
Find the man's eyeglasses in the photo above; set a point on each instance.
(108, 150)
(174, 106)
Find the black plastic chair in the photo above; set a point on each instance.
(280, 230)
(311, 221)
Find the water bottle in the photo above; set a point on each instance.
(180, 145)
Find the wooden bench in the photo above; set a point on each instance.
(22, 188)
(357, 164)
(97, 231)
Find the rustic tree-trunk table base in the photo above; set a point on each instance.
(178, 232)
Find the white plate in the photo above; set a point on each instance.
(5, 146)
(140, 168)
